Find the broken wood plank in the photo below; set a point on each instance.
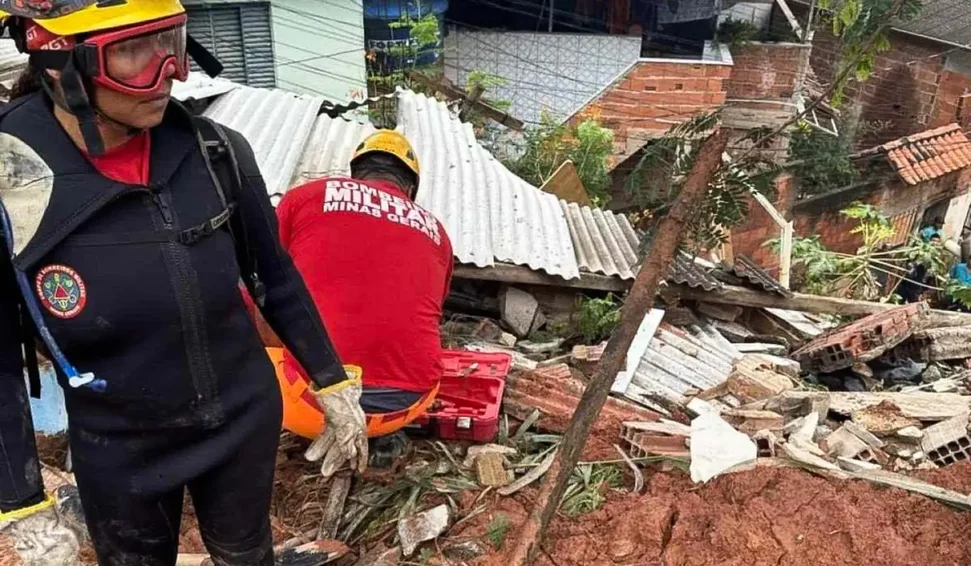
(340, 486)
(806, 303)
(507, 273)
(920, 406)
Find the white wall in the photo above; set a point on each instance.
(319, 46)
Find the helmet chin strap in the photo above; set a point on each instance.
(88, 114)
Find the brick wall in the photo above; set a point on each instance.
(764, 78)
(758, 227)
(652, 96)
(911, 89)
(821, 215)
(766, 71)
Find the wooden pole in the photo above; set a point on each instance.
(638, 303)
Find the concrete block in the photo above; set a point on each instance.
(843, 443)
(506, 339)
(910, 434)
(751, 422)
(864, 435)
(518, 310)
(947, 442)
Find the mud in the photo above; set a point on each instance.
(768, 517)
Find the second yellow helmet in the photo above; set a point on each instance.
(391, 143)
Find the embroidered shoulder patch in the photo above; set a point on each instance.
(61, 291)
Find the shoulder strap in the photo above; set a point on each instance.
(220, 158)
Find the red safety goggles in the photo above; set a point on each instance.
(135, 60)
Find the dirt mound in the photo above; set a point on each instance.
(765, 517)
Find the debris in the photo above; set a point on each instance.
(665, 362)
(638, 475)
(939, 344)
(863, 340)
(800, 453)
(751, 380)
(489, 470)
(843, 444)
(852, 465)
(380, 556)
(911, 434)
(314, 553)
(759, 348)
(657, 439)
(727, 313)
(732, 331)
(716, 447)
(920, 406)
(643, 293)
(464, 551)
(478, 450)
(518, 310)
(765, 442)
(532, 475)
(529, 347)
(751, 422)
(340, 486)
(864, 435)
(947, 442)
(803, 428)
(421, 527)
(931, 374)
(582, 353)
(807, 303)
(519, 361)
(698, 407)
(506, 339)
(883, 419)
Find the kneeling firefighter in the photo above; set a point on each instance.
(128, 224)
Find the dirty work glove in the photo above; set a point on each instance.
(39, 536)
(344, 439)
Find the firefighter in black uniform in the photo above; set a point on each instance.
(133, 288)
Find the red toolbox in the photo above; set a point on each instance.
(467, 406)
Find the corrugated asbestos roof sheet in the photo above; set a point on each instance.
(666, 362)
(277, 124)
(685, 270)
(330, 148)
(604, 242)
(929, 155)
(200, 86)
(489, 213)
(747, 269)
(949, 20)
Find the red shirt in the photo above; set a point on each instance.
(127, 163)
(378, 267)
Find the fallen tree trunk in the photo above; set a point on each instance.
(638, 303)
(729, 295)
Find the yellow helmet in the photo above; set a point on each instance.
(392, 143)
(71, 17)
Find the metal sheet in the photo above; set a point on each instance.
(277, 124)
(490, 213)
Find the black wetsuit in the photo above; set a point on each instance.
(191, 399)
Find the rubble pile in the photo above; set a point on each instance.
(699, 456)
